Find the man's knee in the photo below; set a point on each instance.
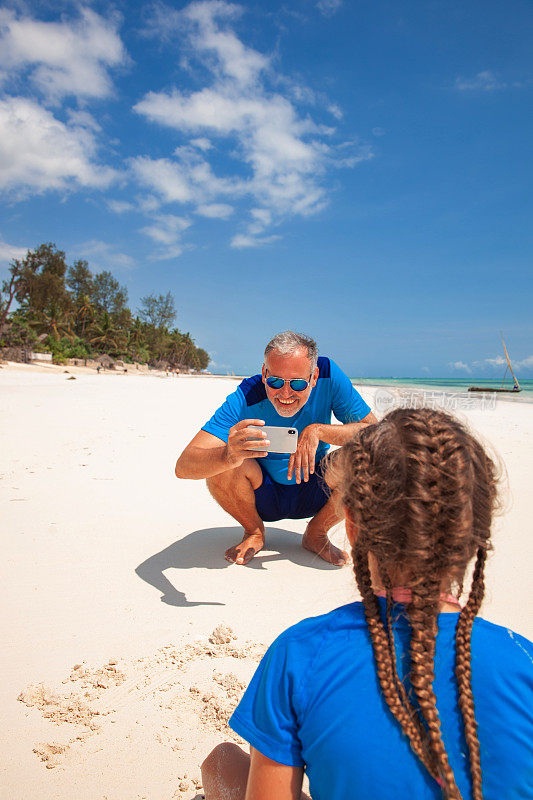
(223, 482)
(217, 482)
(230, 479)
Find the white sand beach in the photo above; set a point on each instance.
(113, 684)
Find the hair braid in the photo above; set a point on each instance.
(408, 705)
(423, 611)
(384, 667)
(463, 669)
(421, 491)
(427, 528)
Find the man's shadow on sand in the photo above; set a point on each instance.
(206, 548)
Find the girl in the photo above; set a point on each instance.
(405, 694)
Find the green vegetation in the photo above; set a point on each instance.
(72, 313)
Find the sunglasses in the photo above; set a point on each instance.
(296, 384)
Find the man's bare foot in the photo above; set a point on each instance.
(321, 545)
(243, 553)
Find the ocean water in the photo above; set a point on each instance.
(428, 390)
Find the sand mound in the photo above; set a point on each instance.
(59, 709)
(222, 635)
(48, 753)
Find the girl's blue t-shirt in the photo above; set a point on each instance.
(333, 393)
(315, 702)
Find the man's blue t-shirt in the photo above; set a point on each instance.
(315, 701)
(333, 393)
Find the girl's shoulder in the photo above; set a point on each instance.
(307, 638)
(322, 637)
(348, 617)
(502, 646)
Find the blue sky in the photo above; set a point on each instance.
(357, 170)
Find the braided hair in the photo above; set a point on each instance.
(420, 492)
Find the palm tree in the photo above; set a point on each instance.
(107, 335)
(136, 338)
(54, 321)
(85, 312)
(187, 348)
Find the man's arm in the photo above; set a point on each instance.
(207, 455)
(303, 461)
(341, 434)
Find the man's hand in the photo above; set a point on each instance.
(245, 441)
(302, 462)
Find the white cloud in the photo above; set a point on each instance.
(240, 241)
(39, 152)
(215, 210)
(202, 143)
(299, 93)
(498, 361)
(200, 23)
(188, 178)
(148, 203)
(214, 365)
(329, 7)
(484, 81)
(459, 365)
(120, 206)
(283, 154)
(166, 228)
(377, 131)
(105, 256)
(237, 61)
(261, 216)
(164, 176)
(83, 119)
(335, 111)
(8, 252)
(348, 154)
(166, 231)
(223, 111)
(63, 58)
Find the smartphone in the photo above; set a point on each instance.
(282, 440)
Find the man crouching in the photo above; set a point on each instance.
(296, 389)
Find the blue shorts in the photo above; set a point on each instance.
(275, 501)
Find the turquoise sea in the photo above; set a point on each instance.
(452, 385)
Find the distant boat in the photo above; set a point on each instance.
(516, 387)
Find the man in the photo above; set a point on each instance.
(296, 389)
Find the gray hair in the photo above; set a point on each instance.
(286, 342)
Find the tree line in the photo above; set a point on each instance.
(73, 313)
